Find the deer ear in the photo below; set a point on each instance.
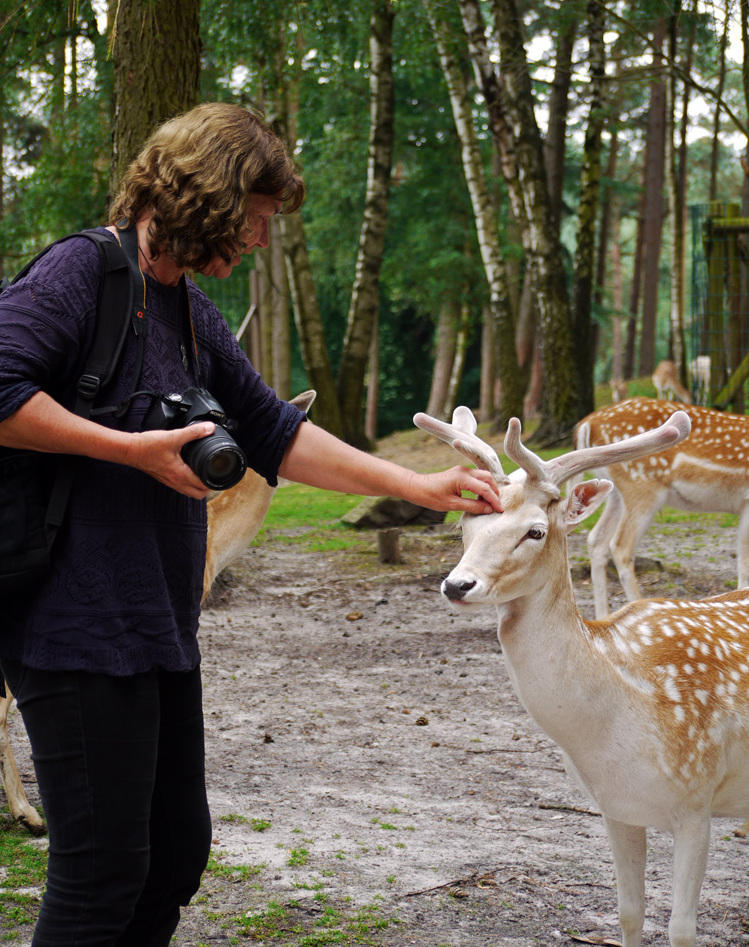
(584, 499)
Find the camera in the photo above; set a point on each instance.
(217, 459)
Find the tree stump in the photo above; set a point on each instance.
(388, 546)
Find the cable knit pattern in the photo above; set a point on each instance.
(123, 595)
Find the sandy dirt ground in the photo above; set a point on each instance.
(369, 763)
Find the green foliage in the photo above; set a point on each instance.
(56, 124)
(56, 127)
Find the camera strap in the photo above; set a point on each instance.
(128, 239)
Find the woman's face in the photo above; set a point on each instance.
(260, 210)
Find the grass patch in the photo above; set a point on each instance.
(24, 867)
(232, 872)
(293, 925)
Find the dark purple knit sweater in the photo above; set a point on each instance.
(123, 595)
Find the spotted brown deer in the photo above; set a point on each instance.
(234, 517)
(650, 707)
(667, 383)
(709, 472)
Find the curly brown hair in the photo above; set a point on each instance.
(195, 176)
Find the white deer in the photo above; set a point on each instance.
(234, 518)
(651, 706)
(709, 472)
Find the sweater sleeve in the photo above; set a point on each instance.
(46, 324)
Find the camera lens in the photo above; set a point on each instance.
(216, 459)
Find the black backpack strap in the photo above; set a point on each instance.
(114, 314)
(114, 310)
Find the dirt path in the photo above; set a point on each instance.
(377, 735)
(374, 779)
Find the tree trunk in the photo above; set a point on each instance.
(556, 132)
(554, 161)
(309, 324)
(373, 384)
(635, 288)
(459, 361)
(562, 401)
(607, 212)
(365, 298)
(263, 314)
(491, 85)
(654, 174)
(590, 183)
(715, 149)
(617, 347)
(676, 208)
(156, 54)
(280, 315)
(511, 398)
(444, 356)
(488, 395)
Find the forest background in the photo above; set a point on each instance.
(503, 196)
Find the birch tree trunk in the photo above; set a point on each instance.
(365, 298)
(511, 396)
(156, 54)
(590, 183)
(654, 172)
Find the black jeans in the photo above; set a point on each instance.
(120, 764)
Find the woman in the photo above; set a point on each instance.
(104, 661)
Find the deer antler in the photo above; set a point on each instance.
(560, 469)
(461, 435)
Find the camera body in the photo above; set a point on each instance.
(216, 459)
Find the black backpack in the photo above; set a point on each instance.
(34, 488)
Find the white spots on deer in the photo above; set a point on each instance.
(709, 471)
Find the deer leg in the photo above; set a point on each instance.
(599, 543)
(691, 845)
(742, 546)
(632, 526)
(20, 807)
(628, 848)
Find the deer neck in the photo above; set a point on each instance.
(560, 678)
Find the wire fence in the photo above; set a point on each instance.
(719, 318)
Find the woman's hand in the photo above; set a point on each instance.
(158, 453)
(444, 490)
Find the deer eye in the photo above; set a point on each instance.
(535, 533)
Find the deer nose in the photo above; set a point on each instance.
(456, 591)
